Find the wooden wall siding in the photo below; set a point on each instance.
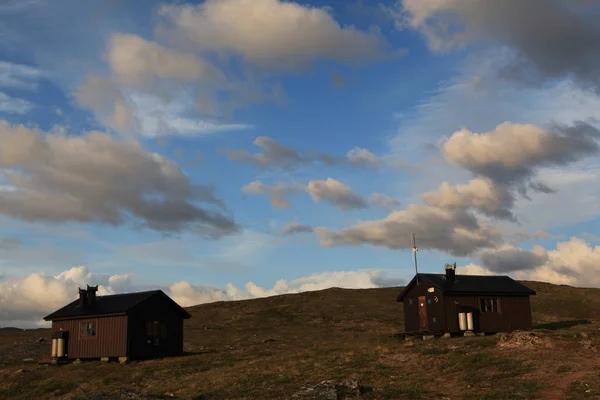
(435, 311)
(110, 339)
(155, 308)
(515, 313)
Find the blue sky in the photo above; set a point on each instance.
(183, 95)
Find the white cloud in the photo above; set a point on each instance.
(19, 75)
(336, 193)
(24, 301)
(456, 232)
(480, 194)
(277, 192)
(362, 156)
(136, 61)
(179, 73)
(384, 201)
(97, 178)
(551, 40)
(14, 105)
(34, 296)
(492, 154)
(473, 269)
(573, 262)
(270, 34)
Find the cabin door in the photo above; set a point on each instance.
(422, 313)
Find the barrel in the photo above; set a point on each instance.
(470, 321)
(54, 348)
(462, 321)
(60, 347)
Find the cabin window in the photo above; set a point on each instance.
(489, 305)
(156, 329)
(87, 329)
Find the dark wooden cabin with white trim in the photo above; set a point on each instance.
(434, 302)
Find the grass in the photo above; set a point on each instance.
(332, 335)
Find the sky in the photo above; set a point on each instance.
(234, 149)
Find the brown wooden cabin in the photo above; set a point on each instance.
(125, 326)
(432, 303)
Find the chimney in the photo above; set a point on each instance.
(87, 296)
(450, 272)
(83, 296)
(91, 294)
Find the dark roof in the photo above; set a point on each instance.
(112, 304)
(473, 284)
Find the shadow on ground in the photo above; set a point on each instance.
(562, 324)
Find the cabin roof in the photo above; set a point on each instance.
(472, 284)
(111, 304)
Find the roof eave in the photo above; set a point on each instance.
(488, 293)
(51, 318)
(409, 285)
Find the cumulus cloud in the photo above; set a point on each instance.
(493, 154)
(36, 295)
(454, 231)
(480, 194)
(178, 67)
(96, 178)
(473, 269)
(270, 34)
(25, 301)
(509, 259)
(336, 193)
(360, 156)
(277, 155)
(551, 39)
(276, 193)
(136, 61)
(573, 262)
(501, 172)
(384, 201)
(294, 227)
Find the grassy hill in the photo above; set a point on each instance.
(284, 346)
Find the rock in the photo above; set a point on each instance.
(330, 390)
(325, 390)
(40, 340)
(169, 394)
(27, 360)
(269, 340)
(20, 371)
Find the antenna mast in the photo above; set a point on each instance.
(415, 249)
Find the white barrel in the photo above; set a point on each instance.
(60, 347)
(470, 321)
(54, 348)
(462, 321)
